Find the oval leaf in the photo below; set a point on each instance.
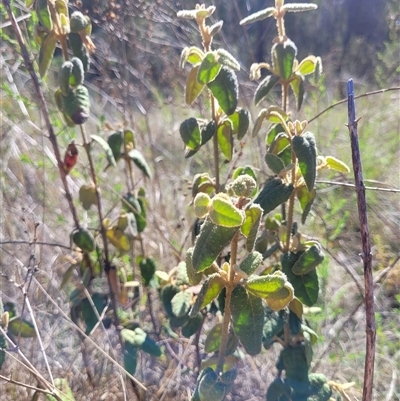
(225, 89)
(265, 87)
(208, 69)
(251, 225)
(190, 133)
(193, 86)
(306, 152)
(336, 164)
(225, 139)
(140, 162)
(308, 260)
(46, 53)
(297, 85)
(247, 319)
(106, 148)
(240, 122)
(223, 213)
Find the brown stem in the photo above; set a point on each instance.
(366, 247)
(227, 312)
(44, 109)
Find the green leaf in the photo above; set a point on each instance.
(63, 390)
(307, 65)
(213, 339)
(225, 89)
(210, 388)
(223, 213)
(43, 14)
(274, 162)
(147, 269)
(210, 243)
(167, 293)
(274, 322)
(225, 139)
(297, 85)
(190, 133)
(194, 278)
(193, 86)
(115, 142)
(87, 196)
(272, 133)
(258, 16)
(202, 183)
(227, 59)
(193, 55)
(251, 262)
(240, 122)
(46, 53)
(192, 325)
(308, 260)
(151, 347)
(262, 286)
(298, 7)
(251, 225)
(130, 357)
(208, 69)
(201, 203)
(138, 208)
(88, 314)
(265, 87)
(118, 238)
(181, 303)
(210, 290)
(84, 239)
(306, 286)
(106, 148)
(336, 164)
(306, 200)
(208, 131)
(279, 144)
(138, 158)
(306, 152)
(274, 193)
(21, 327)
(247, 319)
(283, 56)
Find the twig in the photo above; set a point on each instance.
(347, 184)
(9, 380)
(396, 88)
(34, 243)
(366, 246)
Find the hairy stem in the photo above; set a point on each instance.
(227, 312)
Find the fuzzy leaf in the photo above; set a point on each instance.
(211, 389)
(225, 89)
(223, 213)
(308, 260)
(306, 286)
(46, 53)
(118, 238)
(262, 286)
(265, 87)
(208, 69)
(140, 162)
(190, 133)
(307, 65)
(181, 303)
(283, 55)
(306, 152)
(227, 59)
(240, 122)
(18, 326)
(193, 86)
(192, 325)
(274, 162)
(247, 319)
(106, 147)
(225, 139)
(210, 243)
(167, 293)
(147, 269)
(297, 86)
(258, 16)
(115, 142)
(306, 200)
(251, 262)
(194, 278)
(251, 225)
(87, 196)
(336, 164)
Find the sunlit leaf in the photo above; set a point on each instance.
(305, 148)
(223, 213)
(193, 86)
(258, 16)
(308, 260)
(297, 85)
(251, 225)
(46, 53)
(138, 158)
(208, 69)
(18, 326)
(225, 89)
(190, 133)
(225, 139)
(240, 122)
(181, 303)
(106, 147)
(306, 200)
(118, 238)
(265, 87)
(336, 164)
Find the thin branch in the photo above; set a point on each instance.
(34, 243)
(396, 88)
(366, 248)
(347, 184)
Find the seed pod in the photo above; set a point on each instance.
(78, 74)
(65, 74)
(79, 50)
(78, 22)
(274, 193)
(77, 105)
(84, 240)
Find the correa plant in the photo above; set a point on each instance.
(260, 305)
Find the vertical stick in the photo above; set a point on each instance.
(366, 247)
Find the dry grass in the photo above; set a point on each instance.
(31, 193)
